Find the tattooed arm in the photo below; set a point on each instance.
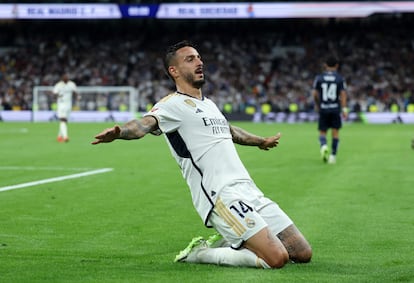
(243, 137)
(134, 129)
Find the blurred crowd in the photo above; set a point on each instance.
(247, 63)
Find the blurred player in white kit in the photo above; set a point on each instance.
(65, 90)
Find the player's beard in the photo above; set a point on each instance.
(195, 83)
(198, 84)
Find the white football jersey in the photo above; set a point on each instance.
(200, 140)
(64, 92)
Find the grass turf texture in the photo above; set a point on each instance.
(127, 225)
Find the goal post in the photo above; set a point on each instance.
(96, 104)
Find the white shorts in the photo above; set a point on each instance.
(63, 111)
(241, 211)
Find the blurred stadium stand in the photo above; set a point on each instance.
(248, 62)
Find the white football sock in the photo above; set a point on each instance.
(63, 130)
(227, 256)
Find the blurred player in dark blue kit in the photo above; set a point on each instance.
(329, 93)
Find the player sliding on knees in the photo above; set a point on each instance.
(253, 231)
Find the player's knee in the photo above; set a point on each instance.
(304, 256)
(307, 255)
(279, 260)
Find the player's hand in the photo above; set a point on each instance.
(270, 142)
(345, 112)
(107, 135)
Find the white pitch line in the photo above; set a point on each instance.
(13, 131)
(56, 179)
(37, 168)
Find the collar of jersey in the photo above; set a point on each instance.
(179, 92)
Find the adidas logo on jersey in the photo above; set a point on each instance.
(199, 110)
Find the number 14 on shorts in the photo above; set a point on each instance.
(241, 209)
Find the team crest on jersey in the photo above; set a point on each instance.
(190, 102)
(250, 223)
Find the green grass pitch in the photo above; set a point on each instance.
(127, 225)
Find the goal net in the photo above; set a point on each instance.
(97, 104)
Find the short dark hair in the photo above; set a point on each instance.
(331, 61)
(170, 53)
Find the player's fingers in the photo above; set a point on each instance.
(105, 133)
(100, 136)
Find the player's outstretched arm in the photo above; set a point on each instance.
(134, 129)
(243, 137)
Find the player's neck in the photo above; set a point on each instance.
(194, 92)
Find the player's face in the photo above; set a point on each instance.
(190, 67)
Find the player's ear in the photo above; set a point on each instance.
(172, 70)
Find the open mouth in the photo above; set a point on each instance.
(199, 71)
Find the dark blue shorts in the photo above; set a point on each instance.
(329, 120)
